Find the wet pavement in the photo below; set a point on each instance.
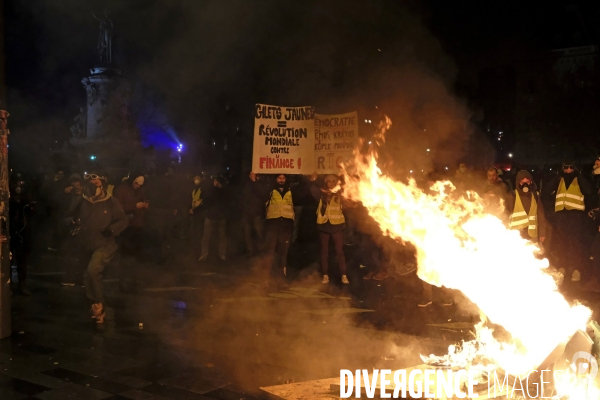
(212, 331)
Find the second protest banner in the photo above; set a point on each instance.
(284, 140)
(335, 138)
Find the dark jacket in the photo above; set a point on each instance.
(549, 189)
(95, 217)
(252, 204)
(217, 202)
(128, 198)
(21, 210)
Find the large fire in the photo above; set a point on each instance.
(461, 247)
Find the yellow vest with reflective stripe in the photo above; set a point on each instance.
(333, 212)
(280, 206)
(571, 198)
(519, 218)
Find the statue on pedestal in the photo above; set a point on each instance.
(79, 127)
(105, 38)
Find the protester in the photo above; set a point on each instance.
(73, 274)
(330, 223)
(132, 197)
(494, 192)
(596, 174)
(253, 213)
(197, 208)
(463, 179)
(97, 219)
(279, 222)
(527, 213)
(299, 186)
(568, 189)
(21, 209)
(216, 213)
(52, 190)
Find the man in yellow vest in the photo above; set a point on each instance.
(568, 189)
(279, 223)
(527, 214)
(197, 207)
(330, 222)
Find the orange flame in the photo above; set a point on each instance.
(461, 247)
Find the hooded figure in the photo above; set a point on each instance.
(527, 214)
(132, 197)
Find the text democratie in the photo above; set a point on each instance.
(444, 382)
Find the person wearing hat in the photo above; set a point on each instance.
(527, 213)
(330, 222)
(568, 189)
(96, 218)
(216, 213)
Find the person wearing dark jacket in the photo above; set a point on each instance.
(21, 209)
(527, 213)
(253, 213)
(216, 213)
(495, 193)
(330, 223)
(568, 190)
(279, 222)
(97, 218)
(301, 187)
(197, 207)
(132, 197)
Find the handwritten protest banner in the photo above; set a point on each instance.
(284, 140)
(335, 138)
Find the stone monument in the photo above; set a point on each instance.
(103, 131)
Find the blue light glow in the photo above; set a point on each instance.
(160, 137)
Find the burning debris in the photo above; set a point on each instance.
(458, 246)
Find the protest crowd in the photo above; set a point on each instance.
(94, 220)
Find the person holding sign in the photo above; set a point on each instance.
(279, 222)
(330, 222)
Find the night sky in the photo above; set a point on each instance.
(191, 58)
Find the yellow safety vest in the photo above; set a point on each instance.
(333, 212)
(280, 207)
(196, 197)
(571, 198)
(519, 218)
